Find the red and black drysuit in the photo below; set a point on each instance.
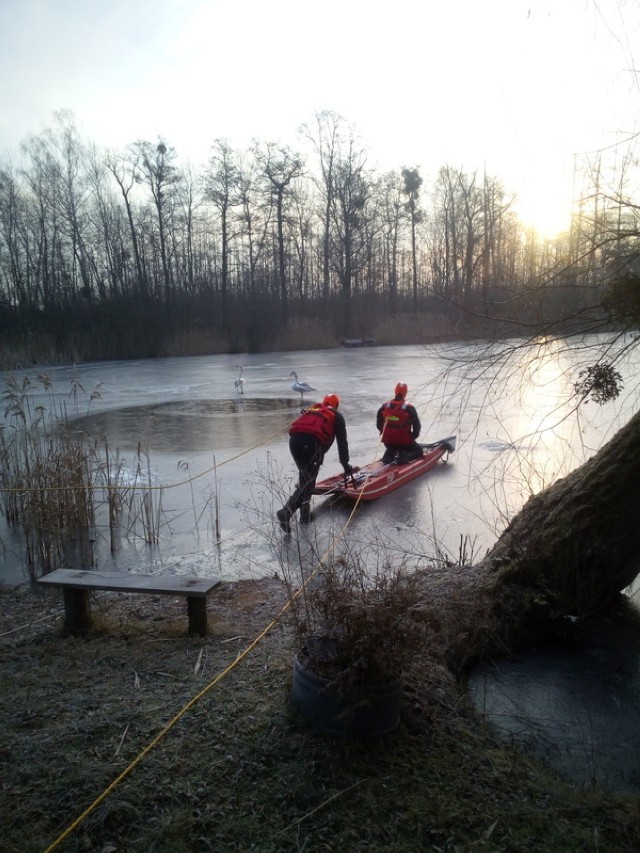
(310, 436)
(399, 425)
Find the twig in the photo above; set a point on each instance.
(196, 668)
(124, 734)
(33, 622)
(321, 806)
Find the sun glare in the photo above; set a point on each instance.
(546, 211)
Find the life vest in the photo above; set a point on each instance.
(396, 431)
(319, 421)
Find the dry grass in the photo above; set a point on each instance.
(57, 485)
(303, 335)
(26, 350)
(46, 481)
(196, 341)
(356, 624)
(241, 770)
(408, 328)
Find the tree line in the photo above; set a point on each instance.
(131, 254)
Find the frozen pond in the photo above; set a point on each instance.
(219, 466)
(223, 463)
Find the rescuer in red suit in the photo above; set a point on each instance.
(399, 425)
(310, 436)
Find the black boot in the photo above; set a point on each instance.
(283, 518)
(305, 514)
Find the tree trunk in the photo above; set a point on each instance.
(569, 553)
(578, 541)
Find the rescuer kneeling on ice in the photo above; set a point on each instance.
(399, 425)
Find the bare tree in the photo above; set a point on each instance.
(281, 167)
(352, 189)
(392, 215)
(109, 248)
(411, 188)
(154, 165)
(189, 201)
(59, 181)
(124, 171)
(301, 238)
(52, 270)
(16, 263)
(327, 138)
(222, 187)
(254, 219)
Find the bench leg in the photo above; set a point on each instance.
(197, 610)
(76, 610)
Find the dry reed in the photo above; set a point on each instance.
(55, 482)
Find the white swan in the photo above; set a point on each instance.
(300, 387)
(239, 383)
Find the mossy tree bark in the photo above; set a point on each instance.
(577, 543)
(567, 555)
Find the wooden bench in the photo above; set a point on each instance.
(77, 583)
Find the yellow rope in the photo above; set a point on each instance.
(211, 684)
(165, 731)
(202, 693)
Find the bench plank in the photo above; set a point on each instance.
(76, 584)
(125, 582)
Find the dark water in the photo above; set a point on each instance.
(576, 704)
(191, 426)
(219, 466)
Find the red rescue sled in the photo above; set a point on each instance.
(378, 479)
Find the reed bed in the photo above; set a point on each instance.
(62, 488)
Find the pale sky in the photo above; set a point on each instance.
(514, 86)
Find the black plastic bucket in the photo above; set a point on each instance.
(364, 711)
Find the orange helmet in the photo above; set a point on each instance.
(401, 390)
(331, 400)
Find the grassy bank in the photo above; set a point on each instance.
(241, 770)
